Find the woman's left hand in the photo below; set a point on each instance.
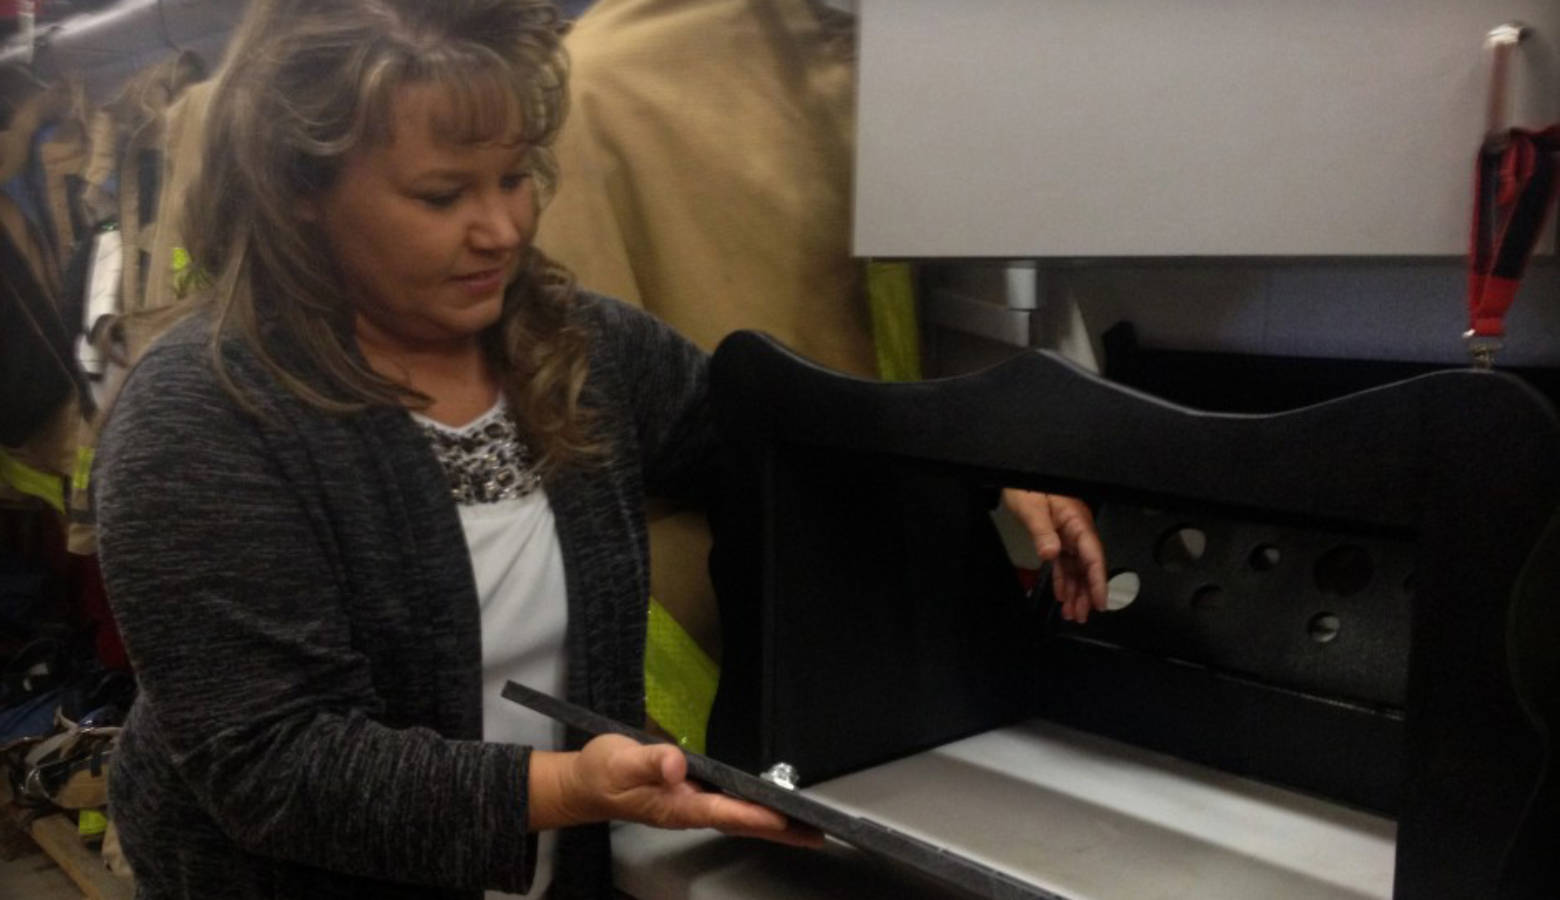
(1062, 529)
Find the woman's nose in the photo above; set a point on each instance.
(500, 223)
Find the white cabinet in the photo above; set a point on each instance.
(1203, 128)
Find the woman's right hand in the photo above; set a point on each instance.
(615, 777)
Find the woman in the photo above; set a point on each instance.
(312, 599)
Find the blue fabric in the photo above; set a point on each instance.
(26, 186)
(30, 718)
(573, 9)
(21, 595)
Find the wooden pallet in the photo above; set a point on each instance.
(56, 835)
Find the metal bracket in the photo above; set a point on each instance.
(1482, 349)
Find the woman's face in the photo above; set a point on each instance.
(426, 232)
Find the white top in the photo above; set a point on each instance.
(520, 585)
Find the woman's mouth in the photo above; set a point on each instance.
(481, 283)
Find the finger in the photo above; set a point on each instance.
(1077, 595)
(1082, 541)
(1068, 585)
(647, 765)
(1088, 568)
(1077, 606)
(1062, 590)
(1033, 511)
(1071, 508)
(674, 766)
(1075, 524)
(1074, 588)
(1099, 584)
(1083, 604)
(794, 835)
(1091, 587)
(711, 810)
(1090, 560)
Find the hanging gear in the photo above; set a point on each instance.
(1515, 187)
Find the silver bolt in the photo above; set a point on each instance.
(781, 774)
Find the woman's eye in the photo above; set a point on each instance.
(440, 201)
(513, 180)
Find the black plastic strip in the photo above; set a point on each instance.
(943, 865)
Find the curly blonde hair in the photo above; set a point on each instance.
(304, 84)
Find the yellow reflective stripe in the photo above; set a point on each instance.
(91, 823)
(34, 482)
(83, 474)
(897, 337)
(679, 680)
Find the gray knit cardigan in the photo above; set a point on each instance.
(297, 600)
